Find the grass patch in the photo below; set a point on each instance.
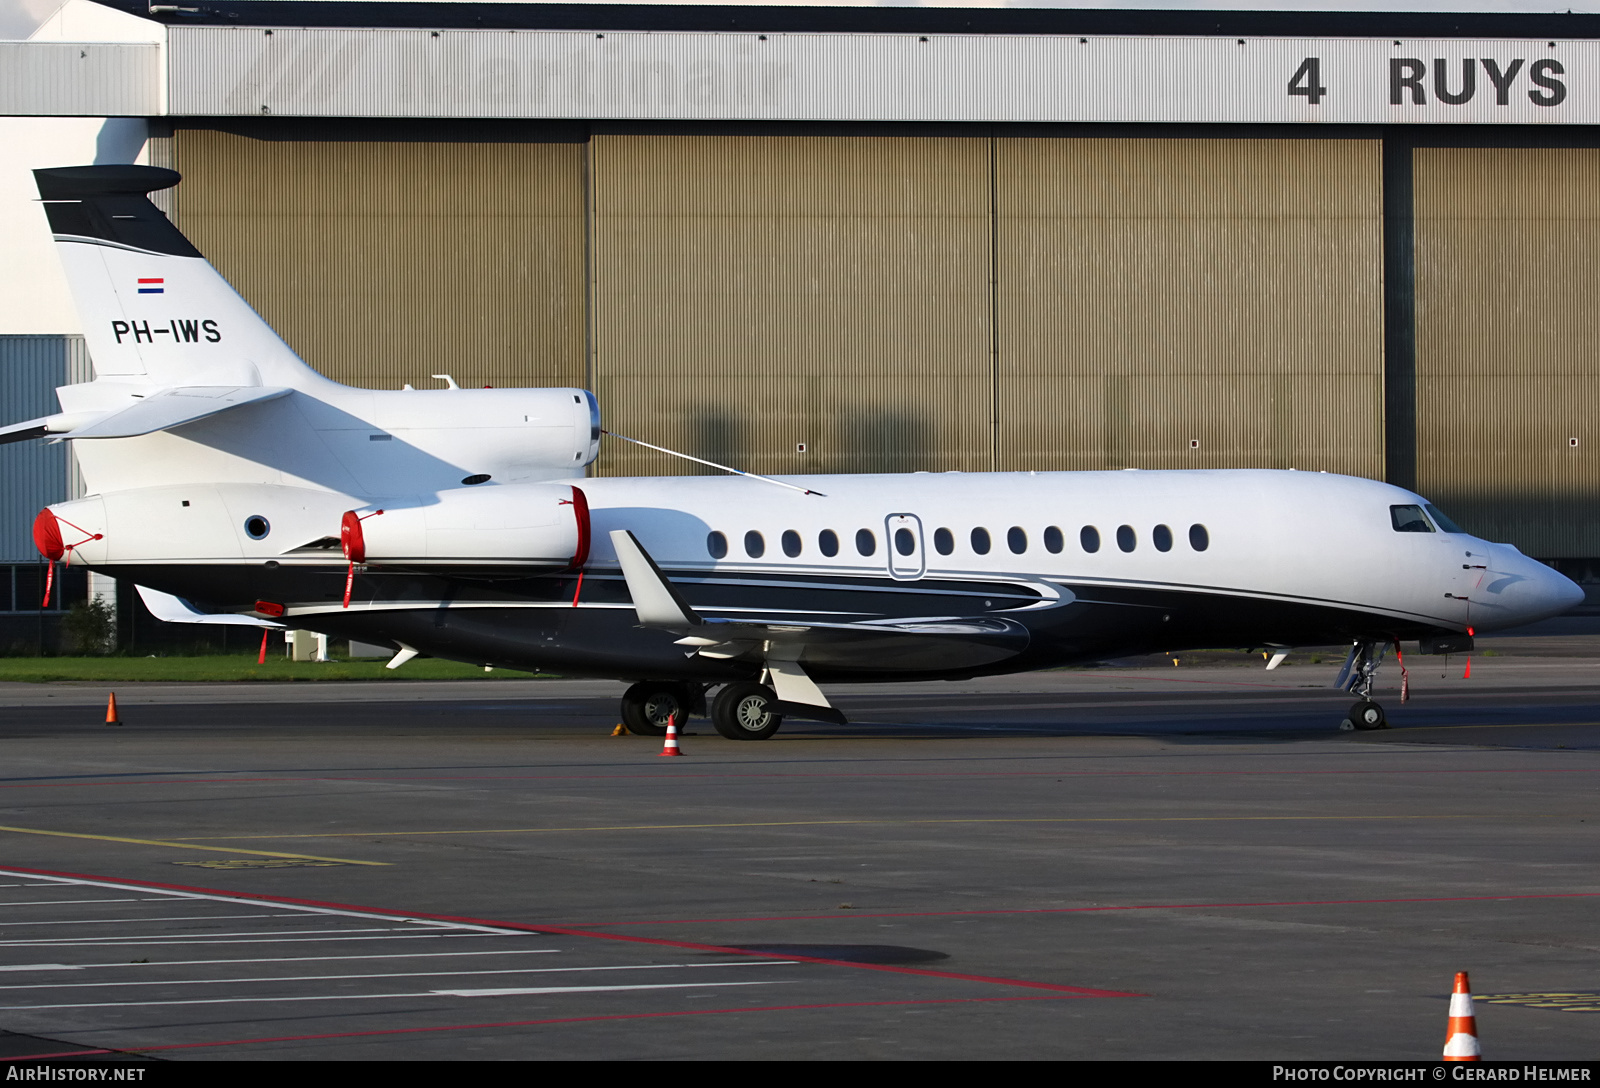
(224, 667)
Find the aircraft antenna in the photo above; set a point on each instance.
(713, 464)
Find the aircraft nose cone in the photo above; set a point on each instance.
(1525, 590)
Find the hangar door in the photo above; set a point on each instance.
(1508, 391)
(384, 262)
(757, 294)
(1190, 304)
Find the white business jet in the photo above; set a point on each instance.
(459, 523)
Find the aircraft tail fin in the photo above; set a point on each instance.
(153, 309)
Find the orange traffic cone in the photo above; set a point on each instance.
(1461, 1040)
(672, 748)
(111, 710)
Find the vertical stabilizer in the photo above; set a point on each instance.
(153, 309)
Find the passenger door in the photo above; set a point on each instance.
(907, 559)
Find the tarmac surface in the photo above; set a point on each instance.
(1122, 862)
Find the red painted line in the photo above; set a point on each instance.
(1089, 910)
(568, 931)
(569, 1020)
(788, 774)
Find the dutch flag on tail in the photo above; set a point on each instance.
(152, 286)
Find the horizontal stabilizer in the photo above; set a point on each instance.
(173, 408)
(21, 432)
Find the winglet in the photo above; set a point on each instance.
(655, 601)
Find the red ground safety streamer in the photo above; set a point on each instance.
(1405, 677)
(262, 658)
(577, 590)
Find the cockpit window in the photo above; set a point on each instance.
(1410, 519)
(1445, 524)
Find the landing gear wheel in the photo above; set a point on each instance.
(745, 712)
(648, 705)
(1365, 715)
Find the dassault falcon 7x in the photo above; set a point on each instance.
(459, 523)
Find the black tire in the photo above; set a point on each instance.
(1368, 715)
(745, 712)
(647, 705)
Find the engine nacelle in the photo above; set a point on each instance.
(538, 526)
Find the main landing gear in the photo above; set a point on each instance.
(648, 705)
(1359, 672)
(741, 711)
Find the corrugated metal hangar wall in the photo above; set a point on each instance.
(955, 297)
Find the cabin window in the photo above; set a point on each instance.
(1089, 538)
(1127, 539)
(866, 543)
(944, 541)
(1409, 519)
(1016, 540)
(717, 545)
(1053, 541)
(791, 543)
(980, 541)
(1199, 539)
(905, 542)
(754, 546)
(1445, 524)
(1161, 537)
(828, 542)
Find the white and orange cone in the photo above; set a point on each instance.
(111, 710)
(1461, 1040)
(672, 748)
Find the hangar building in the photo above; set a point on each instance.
(852, 239)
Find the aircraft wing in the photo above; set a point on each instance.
(166, 607)
(787, 645)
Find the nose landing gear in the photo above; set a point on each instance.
(1359, 672)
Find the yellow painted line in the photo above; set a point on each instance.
(187, 846)
(877, 823)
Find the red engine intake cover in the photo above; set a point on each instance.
(580, 511)
(47, 536)
(351, 538)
